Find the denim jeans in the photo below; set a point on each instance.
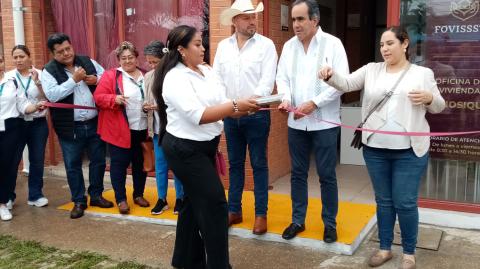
(86, 138)
(324, 145)
(161, 173)
(396, 176)
(120, 158)
(36, 140)
(251, 131)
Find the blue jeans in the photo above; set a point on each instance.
(86, 138)
(324, 145)
(251, 131)
(36, 140)
(396, 176)
(161, 173)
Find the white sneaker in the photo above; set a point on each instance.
(40, 202)
(5, 213)
(10, 204)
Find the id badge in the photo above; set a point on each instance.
(2, 125)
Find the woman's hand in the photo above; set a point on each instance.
(420, 97)
(147, 107)
(40, 106)
(121, 100)
(325, 73)
(247, 105)
(34, 75)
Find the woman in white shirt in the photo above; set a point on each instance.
(395, 163)
(122, 123)
(13, 104)
(36, 129)
(192, 98)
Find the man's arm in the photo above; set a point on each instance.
(340, 65)
(53, 91)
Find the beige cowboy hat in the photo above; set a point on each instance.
(237, 8)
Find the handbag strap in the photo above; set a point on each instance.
(387, 96)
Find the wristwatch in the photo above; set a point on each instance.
(38, 82)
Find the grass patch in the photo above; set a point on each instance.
(16, 253)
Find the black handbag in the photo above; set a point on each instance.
(357, 135)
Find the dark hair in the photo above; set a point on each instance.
(22, 48)
(180, 36)
(154, 48)
(57, 39)
(402, 35)
(313, 9)
(126, 45)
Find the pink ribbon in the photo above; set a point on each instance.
(295, 111)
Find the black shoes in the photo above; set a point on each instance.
(178, 206)
(329, 235)
(159, 207)
(101, 202)
(77, 211)
(292, 231)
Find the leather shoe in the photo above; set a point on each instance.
(141, 201)
(234, 218)
(260, 226)
(292, 230)
(329, 235)
(123, 208)
(101, 202)
(77, 211)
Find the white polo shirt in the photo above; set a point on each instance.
(187, 94)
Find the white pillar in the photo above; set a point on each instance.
(18, 27)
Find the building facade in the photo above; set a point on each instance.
(444, 36)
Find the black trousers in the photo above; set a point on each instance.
(120, 159)
(202, 227)
(10, 154)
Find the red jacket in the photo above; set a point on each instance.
(113, 127)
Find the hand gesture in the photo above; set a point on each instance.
(325, 73)
(79, 74)
(420, 97)
(121, 100)
(304, 109)
(247, 105)
(34, 74)
(40, 106)
(90, 79)
(283, 107)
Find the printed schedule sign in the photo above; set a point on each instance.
(453, 53)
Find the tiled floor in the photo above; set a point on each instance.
(353, 184)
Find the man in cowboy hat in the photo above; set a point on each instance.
(246, 64)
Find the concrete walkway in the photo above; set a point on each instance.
(152, 244)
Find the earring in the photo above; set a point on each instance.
(404, 50)
(183, 55)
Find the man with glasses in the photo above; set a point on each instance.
(72, 79)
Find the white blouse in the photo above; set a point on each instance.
(384, 84)
(135, 91)
(13, 101)
(31, 90)
(187, 94)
